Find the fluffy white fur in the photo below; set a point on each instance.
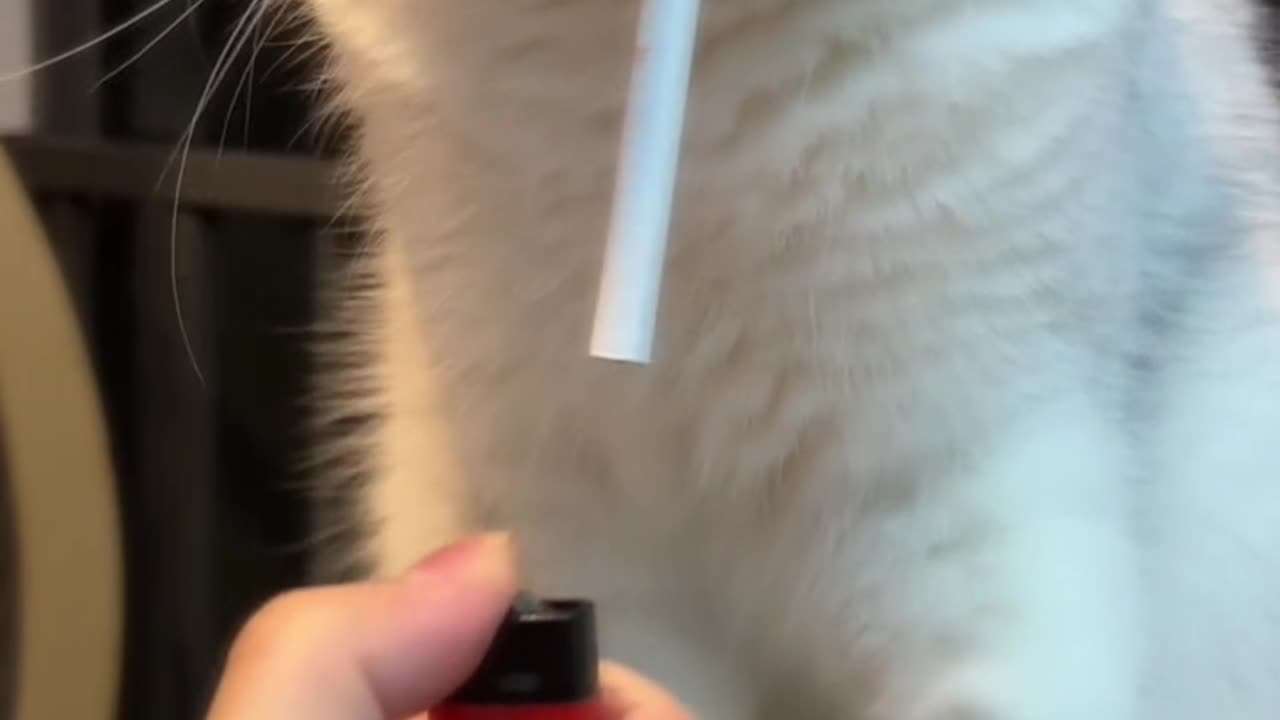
(966, 403)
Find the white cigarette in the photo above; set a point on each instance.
(627, 306)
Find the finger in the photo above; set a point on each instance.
(378, 651)
(629, 696)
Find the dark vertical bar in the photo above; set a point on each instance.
(173, 506)
(63, 103)
(163, 415)
(116, 113)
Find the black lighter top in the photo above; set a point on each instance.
(544, 653)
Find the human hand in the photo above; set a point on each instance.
(391, 650)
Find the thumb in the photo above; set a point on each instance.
(376, 651)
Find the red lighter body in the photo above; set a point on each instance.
(576, 711)
(542, 665)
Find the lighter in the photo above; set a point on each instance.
(542, 665)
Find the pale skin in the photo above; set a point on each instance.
(391, 650)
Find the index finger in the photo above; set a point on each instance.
(370, 651)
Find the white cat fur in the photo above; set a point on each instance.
(966, 403)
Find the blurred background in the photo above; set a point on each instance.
(204, 477)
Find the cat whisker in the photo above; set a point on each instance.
(241, 33)
(131, 22)
(261, 38)
(242, 84)
(168, 30)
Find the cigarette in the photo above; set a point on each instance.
(631, 280)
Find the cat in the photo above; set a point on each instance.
(966, 395)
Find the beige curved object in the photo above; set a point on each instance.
(70, 599)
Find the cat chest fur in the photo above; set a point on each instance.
(865, 244)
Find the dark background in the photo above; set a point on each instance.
(212, 480)
(212, 484)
